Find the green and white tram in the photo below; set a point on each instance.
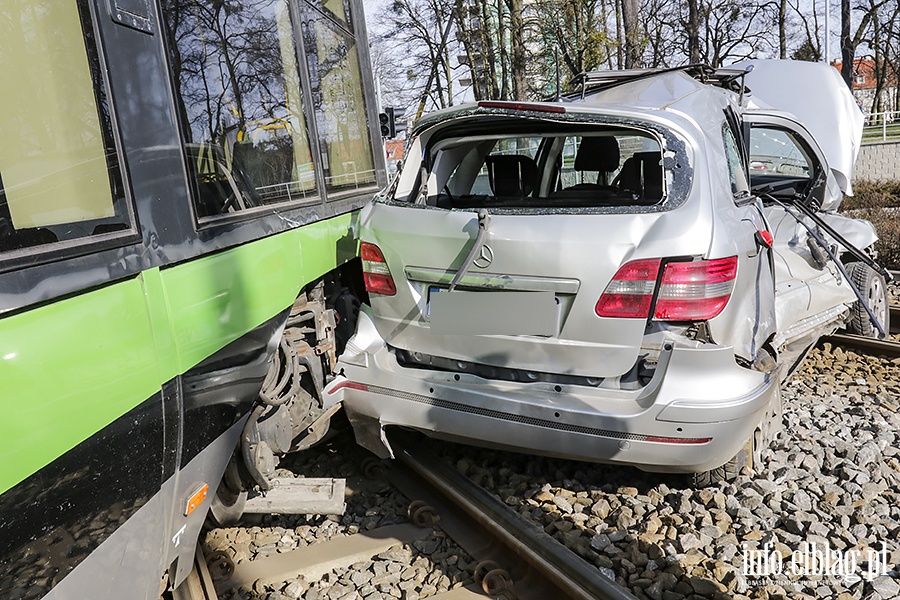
(178, 180)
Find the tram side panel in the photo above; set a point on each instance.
(146, 270)
(84, 435)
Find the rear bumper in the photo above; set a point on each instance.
(695, 414)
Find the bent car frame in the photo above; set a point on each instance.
(624, 275)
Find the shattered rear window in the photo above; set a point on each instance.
(594, 167)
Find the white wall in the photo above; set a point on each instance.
(878, 162)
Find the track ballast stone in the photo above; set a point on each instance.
(831, 480)
(410, 572)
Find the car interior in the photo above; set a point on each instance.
(781, 165)
(547, 170)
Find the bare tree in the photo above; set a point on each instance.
(576, 30)
(513, 48)
(413, 32)
(782, 28)
(849, 42)
(847, 47)
(518, 60)
(810, 48)
(693, 31)
(632, 34)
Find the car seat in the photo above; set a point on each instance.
(642, 174)
(596, 154)
(511, 175)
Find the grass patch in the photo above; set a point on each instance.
(875, 133)
(874, 202)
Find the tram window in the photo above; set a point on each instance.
(337, 89)
(237, 78)
(59, 171)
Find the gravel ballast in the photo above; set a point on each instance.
(408, 572)
(831, 480)
(830, 483)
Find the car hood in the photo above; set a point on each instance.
(816, 94)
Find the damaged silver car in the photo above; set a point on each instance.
(624, 275)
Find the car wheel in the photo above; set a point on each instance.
(874, 291)
(727, 472)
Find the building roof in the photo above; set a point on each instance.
(863, 73)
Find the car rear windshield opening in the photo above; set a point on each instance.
(599, 168)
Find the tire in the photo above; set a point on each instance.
(727, 472)
(874, 290)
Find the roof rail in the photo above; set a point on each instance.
(591, 82)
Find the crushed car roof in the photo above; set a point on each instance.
(813, 93)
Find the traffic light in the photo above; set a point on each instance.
(388, 127)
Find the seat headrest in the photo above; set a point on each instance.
(597, 154)
(642, 173)
(511, 175)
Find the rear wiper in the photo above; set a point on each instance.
(484, 221)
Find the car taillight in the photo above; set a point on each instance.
(376, 274)
(688, 291)
(630, 293)
(695, 291)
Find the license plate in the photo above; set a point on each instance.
(492, 313)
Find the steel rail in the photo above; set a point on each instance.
(894, 318)
(566, 571)
(866, 344)
(198, 585)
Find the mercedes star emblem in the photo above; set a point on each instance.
(484, 257)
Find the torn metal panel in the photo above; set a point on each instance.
(632, 219)
(821, 101)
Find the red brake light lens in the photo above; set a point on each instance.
(630, 293)
(688, 291)
(376, 274)
(695, 291)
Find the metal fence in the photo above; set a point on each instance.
(882, 126)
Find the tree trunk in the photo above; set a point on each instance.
(462, 15)
(489, 56)
(782, 29)
(604, 17)
(503, 51)
(517, 47)
(693, 32)
(879, 72)
(632, 36)
(620, 37)
(847, 49)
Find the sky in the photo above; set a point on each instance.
(371, 6)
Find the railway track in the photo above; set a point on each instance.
(517, 559)
(887, 347)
